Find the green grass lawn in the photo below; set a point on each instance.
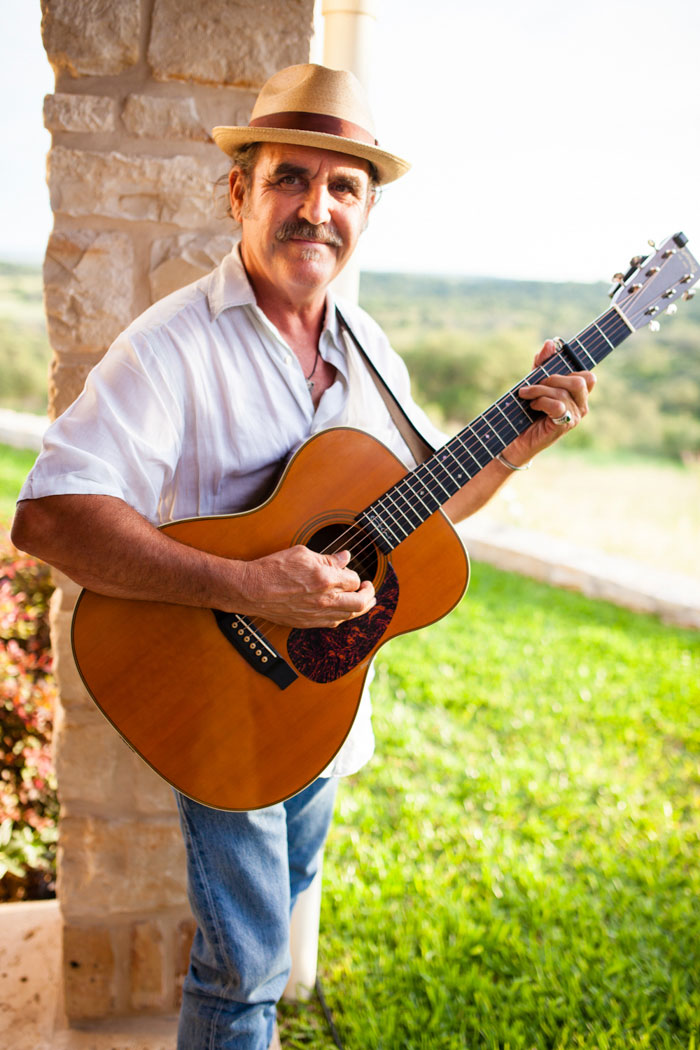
(519, 867)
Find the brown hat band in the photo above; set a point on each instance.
(327, 125)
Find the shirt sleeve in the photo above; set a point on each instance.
(121, 437)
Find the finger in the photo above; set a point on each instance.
(348, 578)
(556, 409)
(549, 348)
(348, 606)
(575, 387)
(356, 602)
(575, 382)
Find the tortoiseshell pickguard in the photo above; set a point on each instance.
(324, 654)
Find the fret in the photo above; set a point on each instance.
(582, 346)
(398, 509)
(462, 470)
(603, 336)
(464, 451)
(482, 443)
(520, 415)
(408, 482)
(611, 345)
(387, 522)
(508, 421)
(429, 499)
(490, 438)
(448, 491)
(620, 314)
(478, 452)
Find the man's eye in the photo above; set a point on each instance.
(288, 180)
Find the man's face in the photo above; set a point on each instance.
(301, 217)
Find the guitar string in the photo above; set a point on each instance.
(340, 543)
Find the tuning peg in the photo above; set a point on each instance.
(637, 260)
(690, 294)
(652, 244)
(654, 326)
(671, 309)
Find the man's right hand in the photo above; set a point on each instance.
(299, 588)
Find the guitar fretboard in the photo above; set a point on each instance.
(411, 501)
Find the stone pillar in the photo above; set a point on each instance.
(131, 173)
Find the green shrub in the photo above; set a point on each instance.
(28, 802)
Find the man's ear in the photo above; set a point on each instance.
(372, 199)
(237, 193)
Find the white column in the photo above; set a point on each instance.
(348, 36)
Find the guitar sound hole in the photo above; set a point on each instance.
(343, 536)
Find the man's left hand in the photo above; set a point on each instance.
(562, 400)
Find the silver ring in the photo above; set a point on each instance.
(563, 421)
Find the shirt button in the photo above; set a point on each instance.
(288, 360)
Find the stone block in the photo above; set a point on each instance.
(120, 866)
(97, 770)
(149, 793)
(175, 261)
(91, 37)
(148, 983)
(225, 106)
(147, 116)
(88, 754)
(228, 43)
(143, 189)
(69, 682)
(92, 113)
(66, 380)
(88, 972)
(88, 289)
(66, 592)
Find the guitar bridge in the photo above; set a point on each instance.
(254, 648)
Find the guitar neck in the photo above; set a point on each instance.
(405, 506)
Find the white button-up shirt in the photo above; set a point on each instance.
(200, 402)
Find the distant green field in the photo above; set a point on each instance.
(24, 347)
(466, 341)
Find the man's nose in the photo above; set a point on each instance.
(315, 207)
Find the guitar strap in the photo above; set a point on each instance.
(419, 447)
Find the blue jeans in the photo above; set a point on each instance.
(244, 873)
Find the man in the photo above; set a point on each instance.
(193, 411)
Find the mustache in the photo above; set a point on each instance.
(325, 234)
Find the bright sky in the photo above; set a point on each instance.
(549, 138)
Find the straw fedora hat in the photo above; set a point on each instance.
(312, 105)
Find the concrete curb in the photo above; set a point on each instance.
(21, 429)
(630, 584)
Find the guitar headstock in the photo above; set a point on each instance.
(655, 281)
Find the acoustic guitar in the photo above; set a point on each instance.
(239, 713)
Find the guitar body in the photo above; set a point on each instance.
(183, 696)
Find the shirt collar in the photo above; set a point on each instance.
(229, 286)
